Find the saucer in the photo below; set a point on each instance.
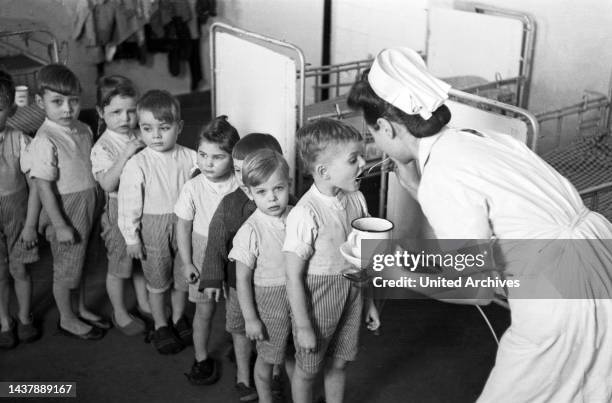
(347, 253)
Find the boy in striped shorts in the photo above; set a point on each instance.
(149, 187)
(259, 261)
(58, 160)
(326, 308)
(19, 211)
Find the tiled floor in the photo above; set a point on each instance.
(427, 351)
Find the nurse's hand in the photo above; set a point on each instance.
(408, 176)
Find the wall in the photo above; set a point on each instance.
(59, 16)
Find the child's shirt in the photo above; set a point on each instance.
(107, 150)
(258, 245)
(150, 184)
(61, 154)
(318, 225)
(13, 145)
(199, 199)
(231, 213)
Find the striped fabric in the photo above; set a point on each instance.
(234, 321)
(13, 209)
(158, 238)
(119, 263)
(198, 248)
(335, 311)
(79, 210)
(273, 309)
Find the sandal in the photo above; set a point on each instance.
(165, 341)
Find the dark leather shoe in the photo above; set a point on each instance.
(94, 334)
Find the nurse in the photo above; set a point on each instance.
(474, 185)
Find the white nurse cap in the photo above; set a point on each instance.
(400, 77)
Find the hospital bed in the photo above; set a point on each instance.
(462, 48)
(587, 159)
(25, 47)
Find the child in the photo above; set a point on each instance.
(325, 308)
(196, 204)
(232, 212)
(18, 219)
(116, 106)
(59, 162)
(148, 189)
(259, 261)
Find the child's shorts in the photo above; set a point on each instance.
(161, 265)
(234, 321)
(335, 308)
(13, 210)
(119, 263)
(198, 248)
(273, 309)
(79, 209)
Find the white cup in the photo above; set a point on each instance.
(21, 95)
(368, 228)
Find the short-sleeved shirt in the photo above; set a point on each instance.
(61, 154)
(13, 145)
(107, 150)
(319, 224)
(258, 245)
(150, 184)
(199, 199)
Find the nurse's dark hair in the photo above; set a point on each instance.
(363, 98)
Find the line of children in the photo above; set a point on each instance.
(195, 207)
(19, 209)
(286, 277)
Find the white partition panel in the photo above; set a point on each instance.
(464, 43)
(256, 88)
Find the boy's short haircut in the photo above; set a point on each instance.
(7, 89)
(260, 165)
(163, 105)
(253, 142)
(58, 78)
(315, 136)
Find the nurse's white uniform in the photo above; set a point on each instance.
(480, 186)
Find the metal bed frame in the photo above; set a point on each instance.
(336, 78)
(587, 160)
(31, 48)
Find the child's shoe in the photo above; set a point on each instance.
(183, 330)
(7, 337)
(204, 372)
(246, 393)
(165, 341)
(27, 332)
